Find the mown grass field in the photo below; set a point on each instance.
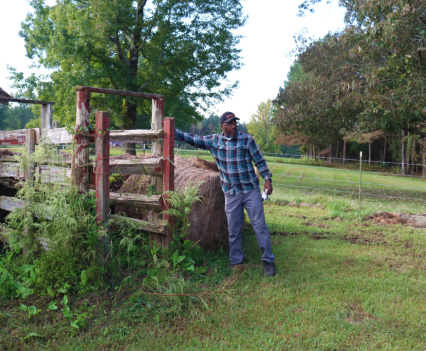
(343, 283)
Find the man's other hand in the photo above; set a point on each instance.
(268, 187)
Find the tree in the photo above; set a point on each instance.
(12, 118)
(181, 49)
(262, 128)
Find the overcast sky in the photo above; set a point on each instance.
(268, 37)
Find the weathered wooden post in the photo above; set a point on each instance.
(102, 176)
(168, 174)
(157, 150)
(46, 119)
(30, 142)
(81, 153)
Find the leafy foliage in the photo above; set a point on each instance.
(16, 117)
(367, 78)
(182, 49)
(262, 128)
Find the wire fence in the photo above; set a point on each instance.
(362, 189)
(298, 156)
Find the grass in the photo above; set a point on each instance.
(342, 283)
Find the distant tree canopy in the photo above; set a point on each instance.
(262, 128)
(182, 49)
(369, 77)
(14, 117)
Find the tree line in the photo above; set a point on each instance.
(361, 88)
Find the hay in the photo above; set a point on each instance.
(134, 184)
(209, 227)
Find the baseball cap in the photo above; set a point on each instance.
(227, 117)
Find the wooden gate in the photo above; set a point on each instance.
(160, 166)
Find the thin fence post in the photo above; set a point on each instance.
(102, 177)
(157, 150)
(30, 142)
(81, 155)
(168, 174)
(360, 178)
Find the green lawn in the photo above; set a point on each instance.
(342, 283)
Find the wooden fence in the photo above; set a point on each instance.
(83, 174)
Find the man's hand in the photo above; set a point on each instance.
(268, 187)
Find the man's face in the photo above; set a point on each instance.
(230, 128)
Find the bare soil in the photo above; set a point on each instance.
(412, 220)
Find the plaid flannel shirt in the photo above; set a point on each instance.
(234, 159)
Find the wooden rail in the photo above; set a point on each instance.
(79, 169)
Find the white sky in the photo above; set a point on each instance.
(269, 36)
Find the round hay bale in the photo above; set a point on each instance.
(209, 227)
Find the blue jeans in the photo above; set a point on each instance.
(234, 208)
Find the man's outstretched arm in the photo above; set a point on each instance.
(202, 142)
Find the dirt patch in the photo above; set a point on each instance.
(365, 240)
(357, 315)
(386, 218)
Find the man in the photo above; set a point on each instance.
(234, 153)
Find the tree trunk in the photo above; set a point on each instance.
(369, 151)
(129, 122)
(384, 149)
(330, 155)
(412, 156)
(424, 162)
(344, 152)
(315, 153)
(337, 149)
(403, 153)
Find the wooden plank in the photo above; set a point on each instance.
(168, 175)
(7, 158)
(13, 137)
(26, 101)
(135, 200)
(49, 174)
(135, 135)
(81, 171)
(149, 166)
(119, 92)
(160, 227)
(11, 203)
(11, 170)
(102, 178)
(60, 135)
